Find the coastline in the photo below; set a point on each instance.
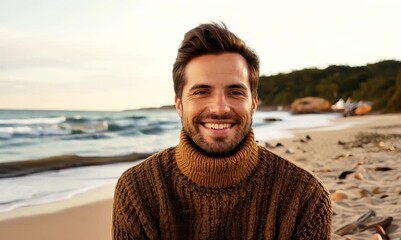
(88, 215)
(84, 216)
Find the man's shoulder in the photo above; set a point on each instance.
(288, 168)
(150, 166)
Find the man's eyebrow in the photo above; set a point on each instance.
(240, 86)
(205, 86)
(200, 86)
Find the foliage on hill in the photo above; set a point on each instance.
(379, 83)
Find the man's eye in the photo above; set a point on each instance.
(200, 92)
(237, 93)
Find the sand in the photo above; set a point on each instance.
(86, 216)
(369, 150)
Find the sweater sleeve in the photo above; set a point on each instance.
(129, 221)
(316, 222)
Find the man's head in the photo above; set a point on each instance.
(213, 39)
(215, 80)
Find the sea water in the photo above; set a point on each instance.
(30, 135)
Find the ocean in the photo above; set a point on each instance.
(30, 135)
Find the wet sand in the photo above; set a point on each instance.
(360, 166)
(85, 216)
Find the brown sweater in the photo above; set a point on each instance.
(253, 194)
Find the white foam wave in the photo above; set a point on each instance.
(33, 121)
(32, 131)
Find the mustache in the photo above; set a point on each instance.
(218, 116)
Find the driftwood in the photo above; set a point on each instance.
(22, 168)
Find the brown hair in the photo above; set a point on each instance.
(212, 38)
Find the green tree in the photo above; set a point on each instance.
(394, 104)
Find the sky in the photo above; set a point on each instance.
(118, 54)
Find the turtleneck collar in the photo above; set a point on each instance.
(216, 172)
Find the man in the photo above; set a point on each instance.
(217, 183)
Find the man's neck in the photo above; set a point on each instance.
(204, 170)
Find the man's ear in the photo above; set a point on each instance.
(254, 104)
(178, 106)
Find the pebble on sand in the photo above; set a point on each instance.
(358, 176)
(290, 151)
(364, 193)
(376, 190)
(377, 237)
(339, 195)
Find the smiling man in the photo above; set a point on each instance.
(216, 103)
(217, 183)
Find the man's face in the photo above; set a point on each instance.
(216, 106)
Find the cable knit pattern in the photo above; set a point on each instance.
(252, 194)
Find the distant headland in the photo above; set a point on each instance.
(378, 83)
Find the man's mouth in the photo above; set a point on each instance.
(218, 125)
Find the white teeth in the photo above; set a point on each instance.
(217, 125)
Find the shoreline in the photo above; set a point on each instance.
(89, 213)
(93, 196)
(84, 216)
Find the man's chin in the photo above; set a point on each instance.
(218, 148)
(215, 146)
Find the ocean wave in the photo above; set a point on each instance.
(78, 124)
(91, 127)
(32, 121)
(31, 131)
(91, 136)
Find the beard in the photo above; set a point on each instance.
(217, 146)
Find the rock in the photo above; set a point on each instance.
(341, 142)
(344, 174)
(339, 195)
(344, 155)
(290, 151)
(383, 169)
(310, 105)
(268, 145)
(272, 119)
(364, 193)
(377, 236)
(376, 190)
(363, 109)
(358, 176)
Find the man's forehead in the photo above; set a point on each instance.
(224, 69)
(218, 63)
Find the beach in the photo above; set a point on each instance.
(358, 164)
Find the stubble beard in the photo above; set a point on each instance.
(220, 146)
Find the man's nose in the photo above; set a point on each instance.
(219, 104)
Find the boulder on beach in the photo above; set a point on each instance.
(357, 108)
(310, 105)
(363, 109)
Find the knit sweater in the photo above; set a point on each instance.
(180, 193)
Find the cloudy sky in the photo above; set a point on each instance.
(115, 55)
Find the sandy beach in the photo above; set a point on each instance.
(359, 165)
(85, 216)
